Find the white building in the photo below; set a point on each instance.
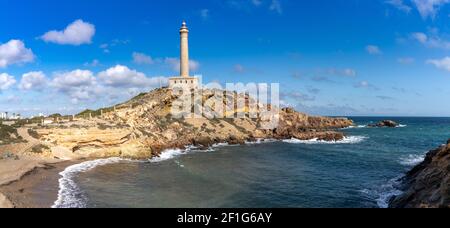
(2, 116)
(14, 116)
(184, 81)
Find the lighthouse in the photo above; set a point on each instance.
(184, 46)
(184, 80)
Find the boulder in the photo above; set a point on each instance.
(385, 123)
(203, 141)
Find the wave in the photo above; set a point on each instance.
(366, 126)
(412, 160)
(261, 141)
(69, 194)
(220, 145)
(353, 127)
(346, 140)
(167, 155)
(383, 194)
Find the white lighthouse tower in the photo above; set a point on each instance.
(184, 81)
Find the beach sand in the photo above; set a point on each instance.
(30, 183)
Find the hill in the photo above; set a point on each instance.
(144, 126)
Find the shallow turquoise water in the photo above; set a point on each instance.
(277, 174)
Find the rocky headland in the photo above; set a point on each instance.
(144, 127)
(428, 184)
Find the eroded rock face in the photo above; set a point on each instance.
(385, 123)
(144, 127)
(428, 184)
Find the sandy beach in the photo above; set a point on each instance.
(30, 183)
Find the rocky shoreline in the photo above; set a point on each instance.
(144, 127)
(428, 184)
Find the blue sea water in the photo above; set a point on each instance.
(358, 172)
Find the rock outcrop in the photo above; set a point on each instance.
(428, 184)
(144, 126)
(385, 123)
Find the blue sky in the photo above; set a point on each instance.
(331, 57)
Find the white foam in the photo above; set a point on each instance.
(179, 164)
(383, 194)
(220, 144)
(357, 126)
(387, 192)
(261, 141)
(412, 160)
(346, 140)
(69, 194)
(167, 155)
(402, 125)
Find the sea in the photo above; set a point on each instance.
(361, 171)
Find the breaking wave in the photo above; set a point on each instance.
(167, 155)
(346, 140)
(383, 194)
(353, 127)
(261, 141)
(412, 160)
(69, 194)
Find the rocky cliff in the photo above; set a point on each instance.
(144, 126)
(428, 184)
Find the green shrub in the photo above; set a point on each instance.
(39, 149)
(33, 134)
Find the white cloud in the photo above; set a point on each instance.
(204, 13)
(141, 58)
(431, 41)
(365, 85)
(116, 83)
(419, 36)
(400, 4)
(79, 85)
(15, 52)
(297, 96)
(72, 79)
(256, 2)
(77, 33)
(373, 50)
(123, 77)
(406, 60)
(174, 63)
(441, 63)
(6, 81)
(429, 8)
(238, 68)
(276, 6)
(33, 80)
(94, 63)
(348, 72)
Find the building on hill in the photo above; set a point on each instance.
(184, 81)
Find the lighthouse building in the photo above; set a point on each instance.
(184, 81)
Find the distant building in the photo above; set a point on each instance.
(48, 121)
(15, 117)
(184, 80)
(5, 116)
